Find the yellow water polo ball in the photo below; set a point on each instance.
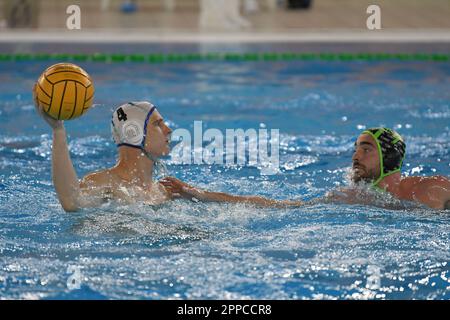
(64, 91)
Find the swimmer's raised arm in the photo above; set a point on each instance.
(64, 176)
(181, 189)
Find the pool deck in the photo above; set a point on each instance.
(330, 25)
(324, 14)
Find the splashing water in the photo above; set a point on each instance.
(223, 251)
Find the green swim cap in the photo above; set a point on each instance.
(391, 149)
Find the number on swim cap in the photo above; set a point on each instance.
(121, 115)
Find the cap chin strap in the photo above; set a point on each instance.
(381, 177)
(149, 155)
(158, 165)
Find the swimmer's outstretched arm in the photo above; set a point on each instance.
(179, 189)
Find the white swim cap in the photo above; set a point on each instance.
(129, 123)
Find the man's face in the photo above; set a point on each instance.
(158, 136)
(366, 160)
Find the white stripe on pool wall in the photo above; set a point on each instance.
(139, 36)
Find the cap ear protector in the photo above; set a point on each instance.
(391, 151)
(129, 123)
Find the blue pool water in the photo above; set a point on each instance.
(185, 250)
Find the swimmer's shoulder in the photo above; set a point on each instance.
(413, 183)
(409, 186)
(420, 188)
(102, 178)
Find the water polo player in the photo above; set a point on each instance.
(141, 137)
(377, 160)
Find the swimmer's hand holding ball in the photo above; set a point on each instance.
(53, 123)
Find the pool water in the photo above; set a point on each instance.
(186, 250)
